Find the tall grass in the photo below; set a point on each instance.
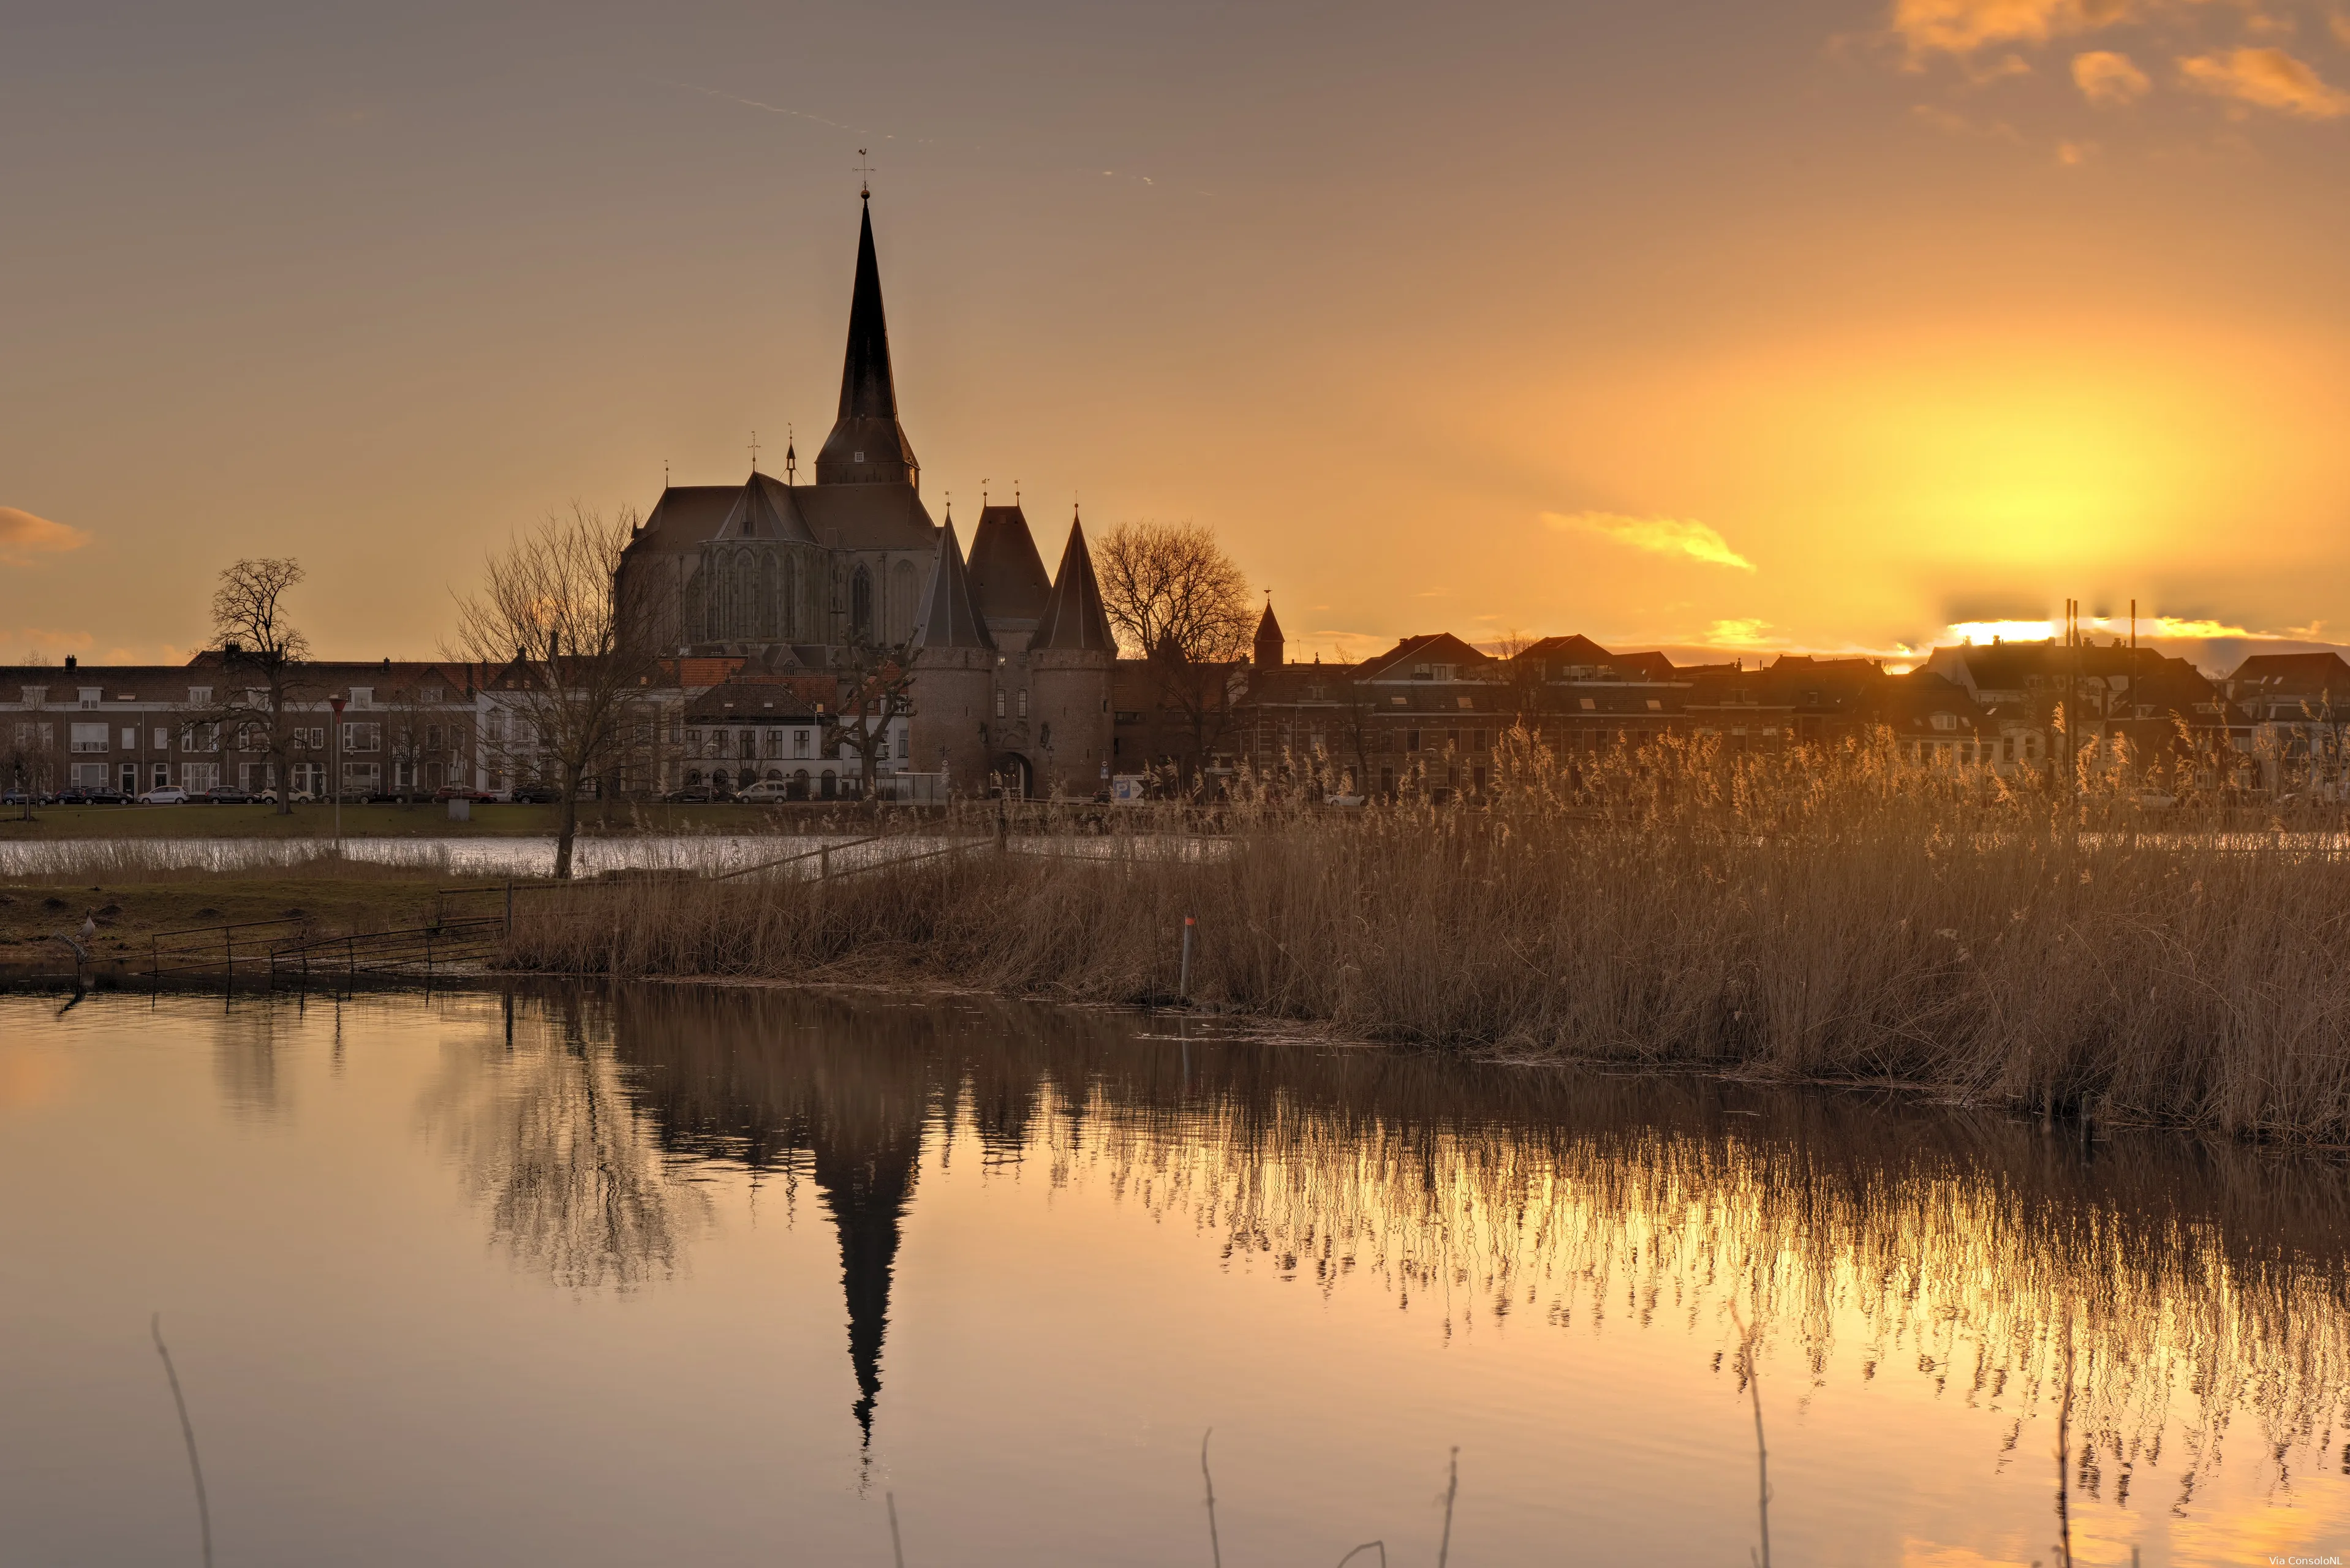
(1822, 916)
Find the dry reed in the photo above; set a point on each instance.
(1803, 915)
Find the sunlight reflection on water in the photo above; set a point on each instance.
(667, 1272)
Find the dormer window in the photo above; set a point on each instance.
(362, 696)
(200, 696)
(91, 696)
(857, 457)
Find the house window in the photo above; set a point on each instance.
(1023, 701)
(432, 737)
(363, 737)
(130, 739)
(432, 694)
(1411, 739)
(799, 743)
(36, 695)
(88, 737)
(362, 696)
(89, 695)
(999, 701)
(200, 696)
(162, 738)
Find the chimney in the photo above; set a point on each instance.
(72, 661)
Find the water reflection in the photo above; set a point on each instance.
(550, 1140)
(2149, 1287)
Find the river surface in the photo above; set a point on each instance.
(669, 1275)
(522, 856)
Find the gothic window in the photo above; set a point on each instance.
(766, 629)
(901, 601)
(789, 628)
(860, 606)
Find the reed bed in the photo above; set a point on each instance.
(1824, 915)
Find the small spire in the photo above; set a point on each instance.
(754, 452)
(790, 457)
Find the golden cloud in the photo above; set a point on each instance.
(1658, 536)
(22, 534)
(1961, 26)
(2108, 78)
(2270, 78)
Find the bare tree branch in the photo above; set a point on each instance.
(559, 631)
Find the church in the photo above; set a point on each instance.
(798, 585)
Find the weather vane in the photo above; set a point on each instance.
(754, 452)
(864, 173)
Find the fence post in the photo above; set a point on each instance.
(1183, 986)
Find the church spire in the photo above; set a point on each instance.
(867, 446)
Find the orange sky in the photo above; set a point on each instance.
(1681, 325)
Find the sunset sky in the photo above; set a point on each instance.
(1828, 324)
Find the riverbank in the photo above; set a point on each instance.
(1848, 922)
(316, 899)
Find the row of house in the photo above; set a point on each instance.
(1427, 714)
(1431, 710)
(406, 728)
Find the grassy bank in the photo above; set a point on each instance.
(1837, 917)
(324, 898)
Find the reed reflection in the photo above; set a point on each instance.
(2197, 1284)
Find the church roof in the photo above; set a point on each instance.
(684, 516)
(1073, 618)
(1007, 575)
(866, 516)
(867, 445)
(765, 509)
(950, 616)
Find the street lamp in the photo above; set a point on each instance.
(335, 780)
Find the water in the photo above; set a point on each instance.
(518, 855)
(673, 1275)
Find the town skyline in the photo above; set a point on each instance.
(1980, 308)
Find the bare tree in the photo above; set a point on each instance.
(261, 649)
(562, 631)
(1176, 599)
(29, 764)
(877, 688)
(1171, 584)
(1521, 678)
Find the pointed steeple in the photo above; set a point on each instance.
(1073, 619)
(1270, 645)
(950, 616)
(867, 446)
(1007, 575)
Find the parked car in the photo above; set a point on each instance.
(94, 795)
(222, 795)
(767, 791)
(166, 795)
(15, 796)
(692, 794)
(533, 794)
(301, 797)
(459, 792)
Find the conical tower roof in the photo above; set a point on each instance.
(1073, 619)
(1007, 575)
(1270, 644)
(950, 616)
(867, 446)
